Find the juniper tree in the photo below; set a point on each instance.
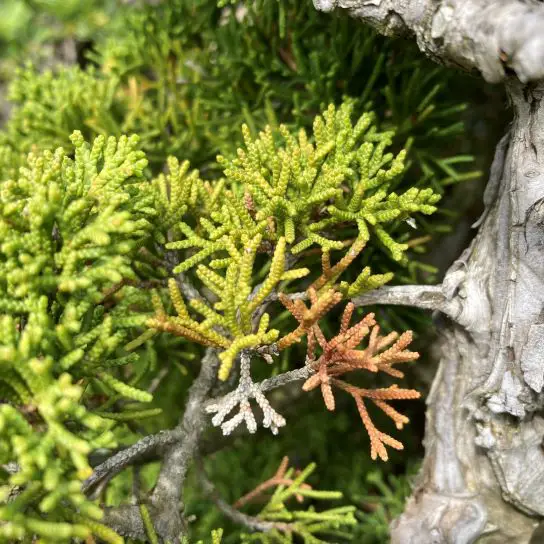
(173, 262)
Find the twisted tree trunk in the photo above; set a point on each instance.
(483, 475)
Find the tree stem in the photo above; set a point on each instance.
(426, 297)
(167, 497)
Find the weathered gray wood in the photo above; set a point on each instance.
(483, 473)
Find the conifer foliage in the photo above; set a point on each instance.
(70, 230)
(75, 234)
(131, 282)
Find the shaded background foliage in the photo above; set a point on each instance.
(184, 75)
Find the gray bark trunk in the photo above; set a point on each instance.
(483, 474)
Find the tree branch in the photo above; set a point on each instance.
(125, 520)
(178, 446)
(149, 445)
(492, 36)
(285, 378)
(167, 495)
(426, 297)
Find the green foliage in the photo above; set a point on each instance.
(104, 236)
(74, 233)
(216, 538)
(54, 103)
(159, 70)
(384, 502)
(235, 306)
(28, 27)
(170, 62)
(70, 230)
(307, 524)
(270, 199)
(343, 178)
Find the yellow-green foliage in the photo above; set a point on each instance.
(94, 235)
(70, 231)
(54, 103)
(83, 239)
(176, 192)
(307, 190)
(282, 194)
(216, 538)
(229, 322)
(308, 524)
